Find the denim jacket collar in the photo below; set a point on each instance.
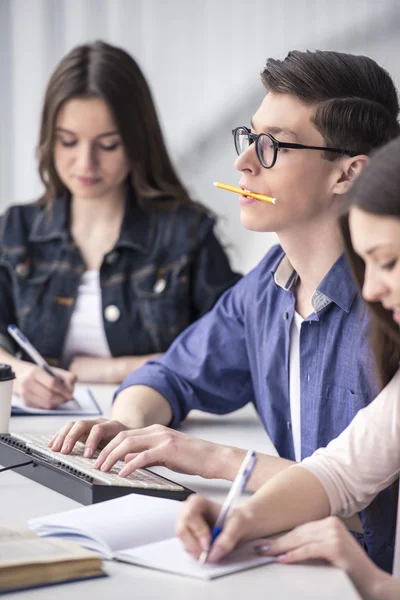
(137, 229)
(337, 286)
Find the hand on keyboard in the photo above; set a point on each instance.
(95, 433)
(146, 447)
(160, 445)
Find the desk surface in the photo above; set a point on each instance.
(22, 499)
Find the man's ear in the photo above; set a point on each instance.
(350, 169)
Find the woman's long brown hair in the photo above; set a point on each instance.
(99, 70)
(377, 191)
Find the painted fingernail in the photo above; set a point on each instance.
(281, 558)
(88, 453)
(262, 548)
(215, 555)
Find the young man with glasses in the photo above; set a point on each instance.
(292, 335)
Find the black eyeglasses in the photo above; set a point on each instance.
(267, 146)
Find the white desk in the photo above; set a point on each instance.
(22, 499)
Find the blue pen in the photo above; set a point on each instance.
(238, 486)
(25, 344)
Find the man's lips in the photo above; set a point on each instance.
(247, 191)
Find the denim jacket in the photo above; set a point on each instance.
(166, 270)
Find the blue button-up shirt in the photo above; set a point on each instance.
(239, 353)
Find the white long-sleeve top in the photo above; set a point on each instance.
(364, 459)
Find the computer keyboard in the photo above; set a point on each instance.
(142, 478)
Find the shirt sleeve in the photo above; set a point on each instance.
(365, 458)
(207, 366)
(211, 271)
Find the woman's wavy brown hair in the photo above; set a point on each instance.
(377, 191)
(99, 70)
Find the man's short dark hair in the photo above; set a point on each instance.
(356, 100)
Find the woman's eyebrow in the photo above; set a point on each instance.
(107, 133)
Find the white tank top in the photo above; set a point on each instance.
(86, 335)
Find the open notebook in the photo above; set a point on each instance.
(87, 405)
(139, 530)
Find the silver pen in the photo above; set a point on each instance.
(25, 344)
(238, 486)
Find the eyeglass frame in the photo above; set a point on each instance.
(254, 137)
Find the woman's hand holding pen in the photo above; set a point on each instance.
(41, 390)
(327, 539)
(196, 519)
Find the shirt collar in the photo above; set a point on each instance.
(337, 286)
(137, 227)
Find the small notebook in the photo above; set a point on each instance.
(85, 397)
(140, 530)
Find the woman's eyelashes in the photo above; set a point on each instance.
(388, 266)
(67, 144)
(106, 147)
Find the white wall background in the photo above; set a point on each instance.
(202, 59)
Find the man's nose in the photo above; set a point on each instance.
(248, 160)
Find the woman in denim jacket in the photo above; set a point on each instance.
(115, 259)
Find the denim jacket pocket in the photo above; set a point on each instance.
(162, 294)
(29, 289)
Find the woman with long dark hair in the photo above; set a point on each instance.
(115, 259)
(344, 477)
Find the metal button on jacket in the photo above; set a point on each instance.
(112, 313)
(111, 257)
(22, 270)
(159, 286)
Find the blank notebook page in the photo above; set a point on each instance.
(169, 555)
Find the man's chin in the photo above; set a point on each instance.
(258, 225)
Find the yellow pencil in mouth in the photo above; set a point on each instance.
(236, 190)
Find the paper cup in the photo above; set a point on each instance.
(6, 382)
